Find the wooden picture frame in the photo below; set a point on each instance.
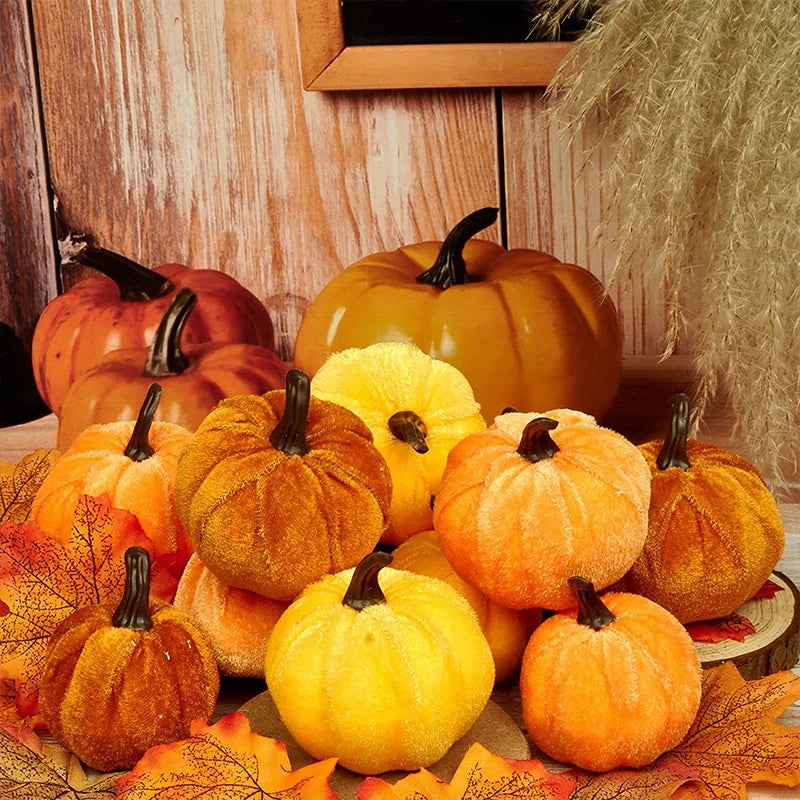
(328, 64)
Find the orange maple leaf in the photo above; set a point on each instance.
(20, 482)
(480, 776)
(224, 760)
(734, 626)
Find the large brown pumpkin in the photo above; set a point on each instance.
(525, 329)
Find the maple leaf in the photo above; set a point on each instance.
(20, 482)
(656, 783)
(224, 760)
(480, 776)
(768, 590)
(734, 626)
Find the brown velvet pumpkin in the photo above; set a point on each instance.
(118, 680)
(715, 532)
(277, 490)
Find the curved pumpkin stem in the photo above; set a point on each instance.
(136, 283)
(450, 269)
(673, 453)
(289, 434)
(165, 356)
(536, 443)
(134, 609)
(139, 447)
(509, 410)
(407, 426)
(592, 611)
(364, 589)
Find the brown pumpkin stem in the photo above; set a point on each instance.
(364, 589)
(450, 269)
(136, 283)
(592, 611)
(165, 356)
(289, 434)
(509, 410)
(139, 447)
(536, 443)
(673, 453)
(409, 427)
(134, 609)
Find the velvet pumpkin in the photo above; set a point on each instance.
(194, 377)
(536, 499)
(122, 308)
(381, 674)
(506, 631)
(135, 464)
(612, 683)
(525, 329)
(416, 407)
(715, 530)
(118, 680)
(238, 623)
(279, 489)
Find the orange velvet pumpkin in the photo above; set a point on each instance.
(238, 623)
(715, 529)
(506, 631)
(118, 680)
(194, 378)
(534, 500)
(123, 310)
(525, 329)
(135, 464)
(612, 683)
(278, 490)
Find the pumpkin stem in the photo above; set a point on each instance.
(364, 589)
(536, 443)
(408, 427)
(134, 609)
(139, 447)
(673, 453)
(450, 269)
(165, 356)
(289, 434)
(136, 283)
(509, 410)
(592, 611)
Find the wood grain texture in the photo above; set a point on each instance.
(178, 130)
(27, 262)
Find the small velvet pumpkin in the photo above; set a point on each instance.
(380, 674)
(416, 407)
(238, 623)
(278, 490)
(715, 530)
(118, 680)
(612, 683)
(507, 631)
(536, 499)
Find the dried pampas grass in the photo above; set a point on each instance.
(699, 105)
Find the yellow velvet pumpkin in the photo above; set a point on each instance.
(417, 409)
(381, 675)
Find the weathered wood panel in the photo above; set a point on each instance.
(178, 130)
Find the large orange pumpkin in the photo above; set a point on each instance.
(525, 329)
(193, 377)
(123, 310)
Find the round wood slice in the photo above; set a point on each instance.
(774, 646)
(494, 729)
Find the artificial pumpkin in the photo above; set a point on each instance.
(506, 631)
(416, 407)
(238, 623)
(119, 679)
(279, 489)
(612, 683)
(536, 499)
(123, 308)
(380, 674)
(135, 464)
(715, 530)
(194, 377)
(525, 329)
